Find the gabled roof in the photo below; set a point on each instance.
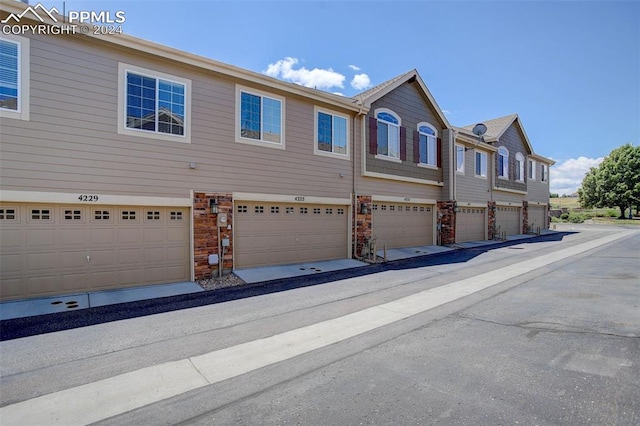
(370, 96)
(496, 128)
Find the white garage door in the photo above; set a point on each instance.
(537, 218)
(508, 220)
(61, 249)
(280, 233)
(470, 224)
(402, 225)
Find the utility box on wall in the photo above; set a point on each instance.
(222, 219)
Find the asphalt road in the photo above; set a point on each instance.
(545, 332)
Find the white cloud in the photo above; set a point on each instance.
(566, 177)
(322, 79)
(446, 112)
(360, 81)
(355, 68)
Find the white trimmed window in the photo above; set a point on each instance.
(532, 170)
(427, 139)
(481, 164)
(260, 118)
(519, 167)
(503, 162)
(388, 133)
(459, 158)
(544, 173)
(14, 77)
(154, 104)
(332, 134)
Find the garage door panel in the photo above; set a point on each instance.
(402, 225)
(470, 224)
(158, 234)
(102, 236)
(10, 263)
(73, 281)
(40, 238)
(74, 259)
(130, 255)
(508, 220)
(274, 233)
(130, 276)
(10, 287)
(12, 238)
(43, 261)
(155, 254)
(73, 237)
(50, 256)
(537, 217)
(42, 285)
(174, 273)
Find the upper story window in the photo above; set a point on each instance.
(519, 167)
(503, 162)
(388, 134)
(427, 148)
(481, 164)
(544, 173)
(331, 134)
(260, 118)
(532, 170)
(154, 104)
(459, 158)
(14, 77)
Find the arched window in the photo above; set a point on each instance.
(519, 167)
(388, 133)
(427, 139)
(503, 162)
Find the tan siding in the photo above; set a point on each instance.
(469, 187)
(72, 144)
(514, 141)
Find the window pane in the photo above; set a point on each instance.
(271, 119)
(141, 102)
(324, 132)
(427, 130)
(339, 135)
(431, 150)
(250, 116)
(383, 139)
(8, 75)
(424, 154)
(385, 116)
(394, 141)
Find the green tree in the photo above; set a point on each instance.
(615, 182)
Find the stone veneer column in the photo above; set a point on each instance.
(491, 220)
(525, 217)
(205, 234)
(447, 222)
(363, 223)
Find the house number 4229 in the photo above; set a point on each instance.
(89, 198)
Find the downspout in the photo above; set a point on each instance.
(354, 243)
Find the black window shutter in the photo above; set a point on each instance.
(373, 135)
(403, 143)
(416, 146)
(439, 149)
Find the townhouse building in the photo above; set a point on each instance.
(127, 163)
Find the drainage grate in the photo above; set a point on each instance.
(72, 304)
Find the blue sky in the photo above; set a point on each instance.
(570, 69)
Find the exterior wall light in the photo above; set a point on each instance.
(213, 205)
(363, 208)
